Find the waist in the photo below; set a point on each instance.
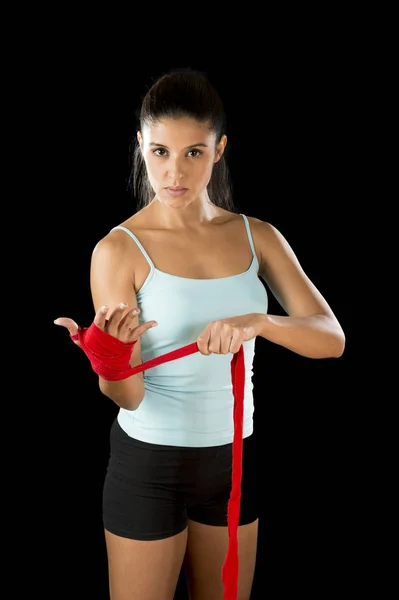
(194, 419)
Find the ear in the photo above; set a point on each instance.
(220, 148)
(140, 139)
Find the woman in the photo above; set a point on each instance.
(185, 268)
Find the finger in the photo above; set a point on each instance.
(112, 324)
(100, 317)
(128, 322)
(215, 339)
(225, 343)
(236, 341)
(69, 324)
(225, 338)
(203, 341)
(138, 331)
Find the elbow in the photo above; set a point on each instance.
(335, 346)
(338, 347)
(127, 403)
(124, 397)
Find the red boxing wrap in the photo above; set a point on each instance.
(110, 357)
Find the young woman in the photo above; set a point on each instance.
(185, 268)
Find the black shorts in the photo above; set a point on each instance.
(151, 490)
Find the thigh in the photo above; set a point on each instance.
(206, 552)
(141, 496)
(142, 570)
(208, 533)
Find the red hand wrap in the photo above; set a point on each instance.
(110, 359)
(109, 356)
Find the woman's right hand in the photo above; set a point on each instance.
(120, 323)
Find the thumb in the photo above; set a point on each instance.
(68, 324)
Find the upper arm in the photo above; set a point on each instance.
(112, 279)
(285, 277)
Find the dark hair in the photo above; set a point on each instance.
(182, 93)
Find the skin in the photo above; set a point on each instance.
(175, 231)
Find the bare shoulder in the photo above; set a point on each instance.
(117, 241)
(262, 227)
(267, 237)
(112, 246)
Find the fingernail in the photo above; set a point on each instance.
(56, 321)
(104, 309)
(122, 305)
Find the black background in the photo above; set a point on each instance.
(289, 155)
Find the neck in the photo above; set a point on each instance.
(179, 216)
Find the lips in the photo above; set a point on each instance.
(176, 189)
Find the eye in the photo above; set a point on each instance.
(159, 151)
(195, 153)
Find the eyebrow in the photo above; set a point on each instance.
(191, 145)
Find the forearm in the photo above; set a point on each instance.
(317, 336)
(127, 393)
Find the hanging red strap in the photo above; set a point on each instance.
(230, 567)
(103, 350)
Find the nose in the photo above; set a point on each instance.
(174, 171)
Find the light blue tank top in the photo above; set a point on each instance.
(189, 401)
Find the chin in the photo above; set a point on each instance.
(177, 201)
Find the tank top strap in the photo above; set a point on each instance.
(251, 242)
(139, 244)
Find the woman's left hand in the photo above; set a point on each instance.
(227, 335)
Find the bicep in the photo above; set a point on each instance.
(287, 280)
(112, 282)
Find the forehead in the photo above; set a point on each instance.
(183, 131)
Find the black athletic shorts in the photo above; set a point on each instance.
(151, 490)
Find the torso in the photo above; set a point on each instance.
(218, 249)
